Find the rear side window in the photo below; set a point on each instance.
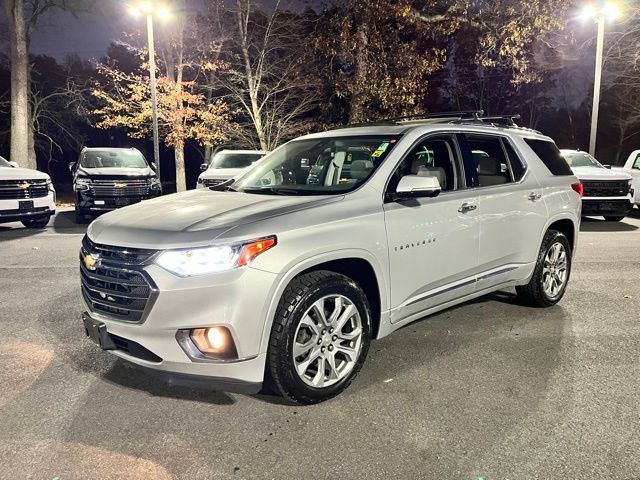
(490, 157)
(550, 155)
(517, 165)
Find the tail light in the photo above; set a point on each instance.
(578, 187)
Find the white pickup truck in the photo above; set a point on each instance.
(632, 167)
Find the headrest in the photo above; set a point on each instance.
(360, 169)
(488, 166)
(436, 172)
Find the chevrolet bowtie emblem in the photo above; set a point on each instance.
(91, 261)
(120, 185)
(24, 185)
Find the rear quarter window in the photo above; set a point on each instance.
(550, 155)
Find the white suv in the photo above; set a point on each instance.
(328, 242)
(26, 195)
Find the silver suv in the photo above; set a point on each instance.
(330, 241)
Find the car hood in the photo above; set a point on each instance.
(596, 173)
(116, 172)
(7, 173)
(221, 173)
(193, 218)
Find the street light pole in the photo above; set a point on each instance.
(596, 87)
(154, 97)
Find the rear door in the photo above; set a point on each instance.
(433, 242)
(511, 210)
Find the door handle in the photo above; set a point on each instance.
(467, 207)
(534, 197)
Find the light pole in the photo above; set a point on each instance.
(150, 9)
(600, 13)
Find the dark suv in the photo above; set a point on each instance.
(108, 178)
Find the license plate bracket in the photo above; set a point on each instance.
(25, 205)
(97, 332)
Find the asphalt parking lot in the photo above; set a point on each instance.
(488, 389)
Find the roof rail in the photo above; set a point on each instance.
(456, 115)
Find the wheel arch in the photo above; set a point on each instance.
(568, 227)
(359, 265)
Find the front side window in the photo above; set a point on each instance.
(581, 159)
(320, 166)
(490, 159)
(234, 160)
(434, 157)
(113, 159)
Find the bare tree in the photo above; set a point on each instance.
(266, 78)
(23, 17)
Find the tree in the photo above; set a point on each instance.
(183, 113)
(266, 75)
(22, 18)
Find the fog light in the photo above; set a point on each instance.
(215, 343)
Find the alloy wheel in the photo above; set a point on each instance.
(327, 341)
(554, 270)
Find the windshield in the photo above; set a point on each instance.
(581, 159)
(320, 166)
(234, 160)
(4, 163)
(113, 159)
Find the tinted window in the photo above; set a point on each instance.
(112, 159)
(491, 160)
(434, 157)
(319, 166)
(4, 163)
(550, 155)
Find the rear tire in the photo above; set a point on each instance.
(325, 318)
(551, 274)
(610, 218)
(36, 223)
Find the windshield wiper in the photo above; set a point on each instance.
(272, 191)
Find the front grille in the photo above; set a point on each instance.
(23, 189)
(212, 182)
(605, 188)
(116, 286)
(120, 188)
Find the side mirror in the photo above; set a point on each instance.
(154, 167)
(416, 186)
(72, 167)
(14, 164)
(203, 167)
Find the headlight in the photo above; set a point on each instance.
(83, 183)
(154, 182)
(207, 260)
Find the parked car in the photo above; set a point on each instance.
(606, 192)
(632, 167)
(274, 279)
(26, 195)
(108, 178)
(226, 164)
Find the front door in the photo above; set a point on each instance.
(433, 242)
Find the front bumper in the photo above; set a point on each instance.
(608, 207)
(10, 210)
(88, 202)
(236, 300)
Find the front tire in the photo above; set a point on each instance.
(320, 337)
(616, 218)
(36, 223)
(80, 216)
(551, 274)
